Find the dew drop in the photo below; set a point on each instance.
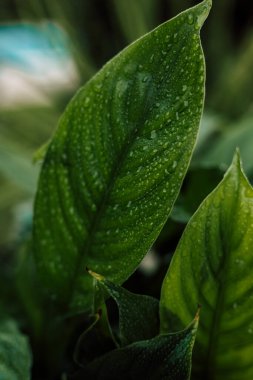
(190, 19)
(86, 102)
(98, 87)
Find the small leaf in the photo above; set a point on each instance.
(115, 165)
(213, 266)
(15, 354)
(94, 341)
(164, 357)
(138, 314)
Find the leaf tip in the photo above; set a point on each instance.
(236, 164)
(198, 313)
(95, 275)
(203, 10)
(237, 156)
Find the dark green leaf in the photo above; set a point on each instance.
(95, 341)
(138, 314)
(164, 357)
(213, 266)
(15, 355)
(117, 160)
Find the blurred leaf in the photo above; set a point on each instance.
(28, 291)
(212, 266)
(18, 166)
(22, 131)
(136, 17)
(164, 357)
(198, 183)
(28, 127)
(15, 354)
(116, 163)
(138, 314)
(236, 135)
(210, 125)
(234, 97)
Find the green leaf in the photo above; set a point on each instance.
(95, 341)
(213, 266)
(164, 357)
(115, 165)
(15, 354)
(138, 314)
(238, 134)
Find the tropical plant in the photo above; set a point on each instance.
(109, 179)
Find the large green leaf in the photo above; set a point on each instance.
(15, 354)
(167, 356)
(213, 266)
(138, 314)
(117, 160)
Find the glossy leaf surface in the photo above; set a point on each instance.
(213, 266)
(15, 355)
(117, 160)
(138, 314)
(164, 357)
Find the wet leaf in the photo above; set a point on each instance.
(115, 165)
(164, 357)
(138, 314)
(213, 266)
